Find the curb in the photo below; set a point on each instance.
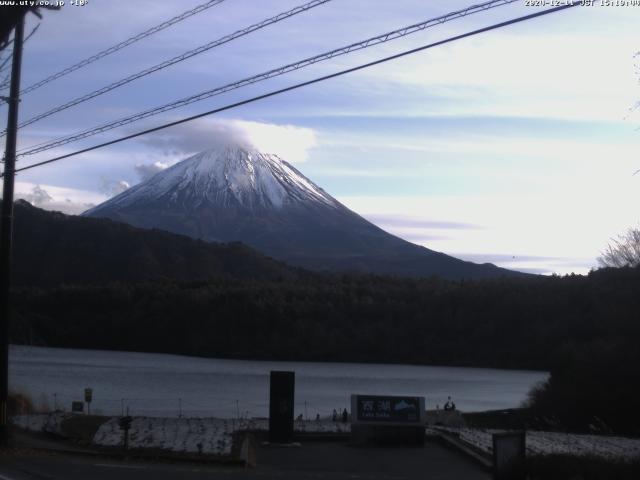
(454, 442)
(132, 455)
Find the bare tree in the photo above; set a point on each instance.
(623, 251)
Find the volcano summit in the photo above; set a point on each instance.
(234, 193)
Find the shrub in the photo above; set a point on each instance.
(19, 403)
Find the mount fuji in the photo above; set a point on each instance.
(235, 193)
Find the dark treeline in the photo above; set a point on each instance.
(507, 323)
(584, 329)
(51, 248)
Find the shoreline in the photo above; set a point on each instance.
(285, 361)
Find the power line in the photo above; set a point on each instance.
(6, 78)
(5, 67)
(5, 64)
(304, 84)
(123, 44)
(271, 73)
(191, 53)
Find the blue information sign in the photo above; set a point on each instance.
(387, 409)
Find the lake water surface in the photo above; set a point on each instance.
(167, 385)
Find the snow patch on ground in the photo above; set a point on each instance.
(44, 422)
(214, 436)
(209, 436)
(321, 426)
(555, 443)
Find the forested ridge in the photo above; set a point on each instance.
(510, 323)
(51, 248)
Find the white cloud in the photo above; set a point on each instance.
(568, 232)
(66, 200)
(38, 196)
(111, 188)
(193, 137)
(148, 170)
(516, 72)
(290, 142)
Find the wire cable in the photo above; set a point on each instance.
(304, 84)
(5, 83)
(5, 80)
(3, 67)
(123, 44)
(385, 37)
(191, 53)
(7, 68)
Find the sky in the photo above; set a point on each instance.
(516, 147)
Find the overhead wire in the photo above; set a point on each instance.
(6, 78)
(4, 49)
(119, 46)
(385, 37)
(306, 83)
(5, 65)
(177, 59)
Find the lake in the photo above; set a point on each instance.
(170, 385)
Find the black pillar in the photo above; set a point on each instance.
(281, 398)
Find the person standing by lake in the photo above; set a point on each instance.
(449, 406)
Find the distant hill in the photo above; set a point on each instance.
(52, 248)
(234, 193)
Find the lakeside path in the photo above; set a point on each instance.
(312, 460)
(38, 455)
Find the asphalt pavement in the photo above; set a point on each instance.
(312, 460)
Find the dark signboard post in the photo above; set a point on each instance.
(281, 398)
(88, 395)
(387, 419)
(125, 425)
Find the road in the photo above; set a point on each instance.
(315, 461)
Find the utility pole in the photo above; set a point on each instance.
(6, 226)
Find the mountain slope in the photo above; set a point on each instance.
(52, 248)
(232, 193)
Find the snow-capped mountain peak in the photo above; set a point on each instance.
(234, 193)
(227, 175)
